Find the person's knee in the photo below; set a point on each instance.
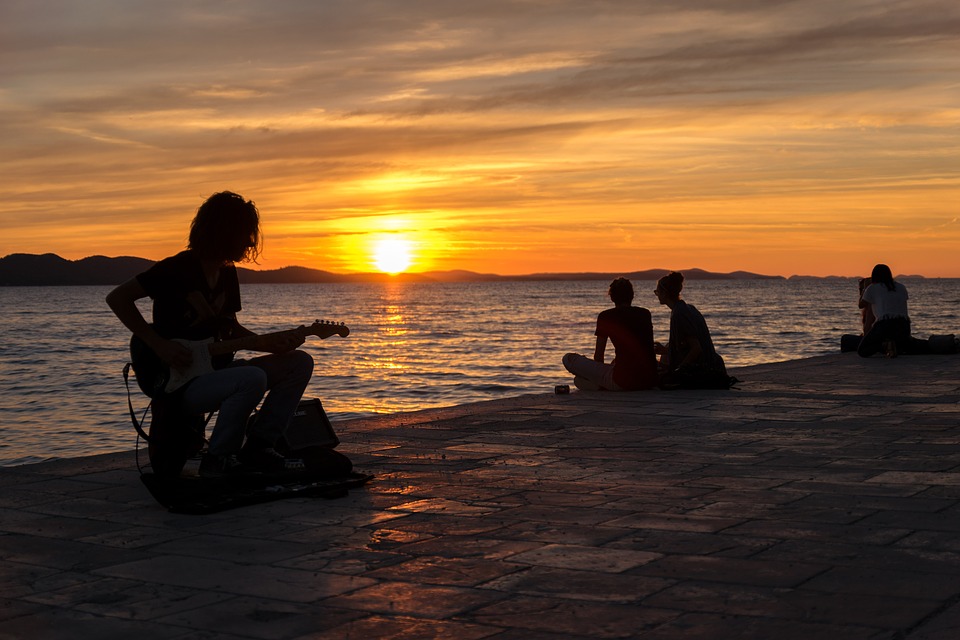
(569, 359)
(304, 361)
(255, 381)
(302, 364)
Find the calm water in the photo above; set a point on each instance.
(411, 346)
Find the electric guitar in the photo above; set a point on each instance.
(155, 377)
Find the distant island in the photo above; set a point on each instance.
(22, 269)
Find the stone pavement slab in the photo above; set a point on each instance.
(819, 499)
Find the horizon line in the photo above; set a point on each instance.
(537, 274)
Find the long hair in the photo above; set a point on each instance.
(227, 228)
(882, 273)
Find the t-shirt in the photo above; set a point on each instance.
(686, 322)
(630, 329)
(887, 304)
(184, 304)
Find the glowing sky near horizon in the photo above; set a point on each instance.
(782, 137)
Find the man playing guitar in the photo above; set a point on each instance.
(196, 296)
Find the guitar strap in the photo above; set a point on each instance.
(137, 424)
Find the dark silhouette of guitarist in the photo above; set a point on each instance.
(196, 296)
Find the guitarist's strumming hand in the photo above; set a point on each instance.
(173, 353)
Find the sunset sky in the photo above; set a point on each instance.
(782, 137)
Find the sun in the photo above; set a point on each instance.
(392, 255)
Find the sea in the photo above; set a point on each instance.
(411, 345)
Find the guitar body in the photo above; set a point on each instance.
(200, 364)
(152, 373)
(155, 378)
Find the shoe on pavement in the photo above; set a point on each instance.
(268, 460)
(214, 466)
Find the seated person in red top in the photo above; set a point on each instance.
(630, 329)
(196, 295)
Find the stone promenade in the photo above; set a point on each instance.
(819, 500)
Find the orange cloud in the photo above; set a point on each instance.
(781, 138)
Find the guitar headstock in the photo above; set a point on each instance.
(326, 328)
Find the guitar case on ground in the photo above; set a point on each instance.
(196, 495)
(175, 439)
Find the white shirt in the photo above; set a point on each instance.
(887, 304)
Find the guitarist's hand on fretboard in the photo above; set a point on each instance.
(283, 343)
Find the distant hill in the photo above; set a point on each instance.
(896, 277)
(21, 269)
(649, 274)
(51, 269)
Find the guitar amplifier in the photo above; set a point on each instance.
(309, 427)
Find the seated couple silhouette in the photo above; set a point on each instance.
(688, 360)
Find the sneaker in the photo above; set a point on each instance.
(214, 466)
(268, 460)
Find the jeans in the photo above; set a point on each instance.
(235, 391)
(896, 329)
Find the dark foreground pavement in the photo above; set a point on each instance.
(820, 500)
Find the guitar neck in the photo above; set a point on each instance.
(253, 343)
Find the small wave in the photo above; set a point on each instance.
(498, 388)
